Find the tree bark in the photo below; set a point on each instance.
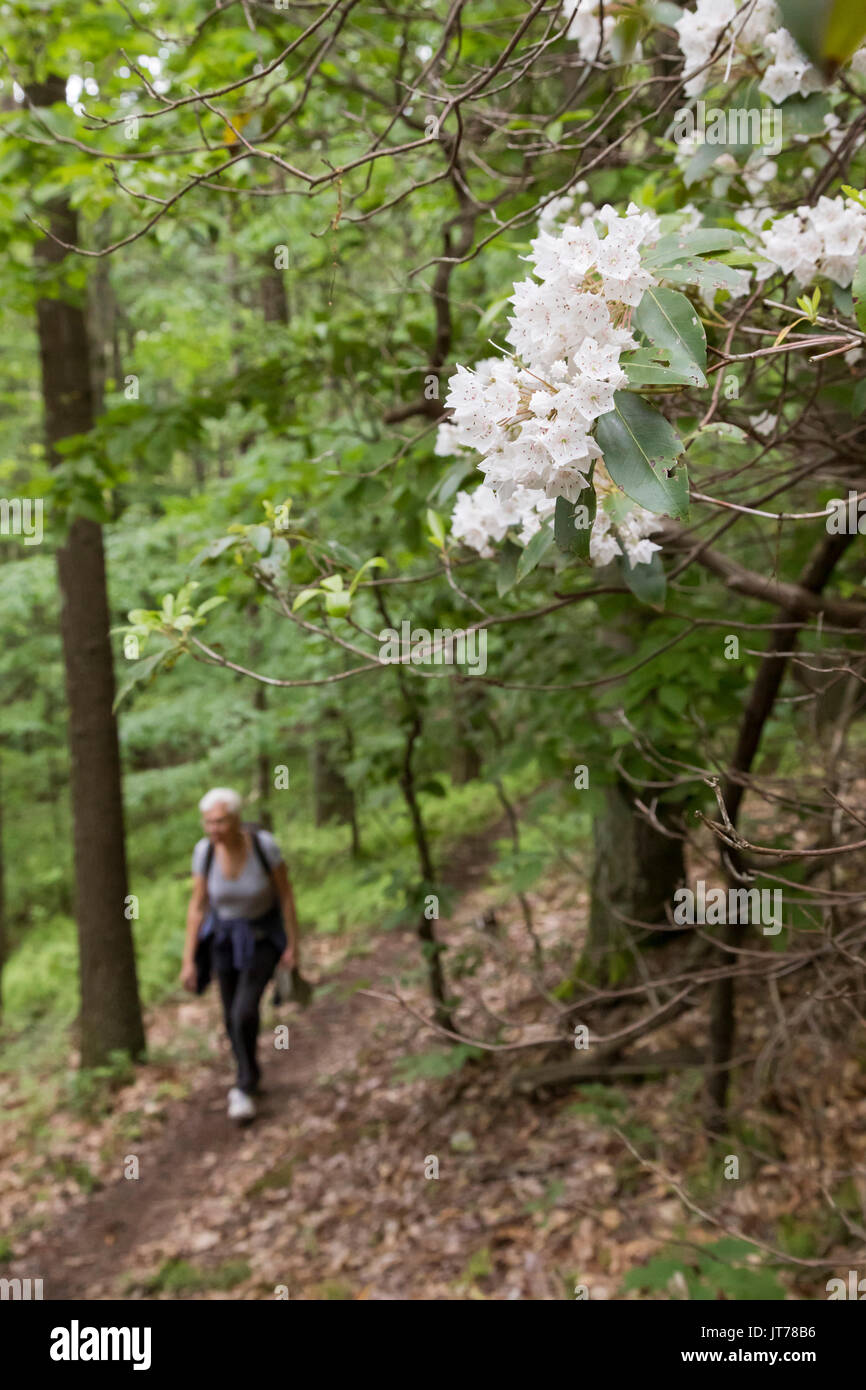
(110, 1018)
(636, 871)
(431, 947)
(275, 304)
(762, 698)
(333, 798)
(466, 756)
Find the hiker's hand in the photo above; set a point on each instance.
(288, 960)
(188, 975)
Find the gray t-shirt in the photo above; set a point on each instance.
(251, 893)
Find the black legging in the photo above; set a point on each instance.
(241, 992)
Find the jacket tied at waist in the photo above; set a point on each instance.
(241, 934)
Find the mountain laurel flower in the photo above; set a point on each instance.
(827, 239)
(726, 39)
(531, 415)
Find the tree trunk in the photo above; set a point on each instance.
(263, 762)
(431, 947)
(466, 755)
(275, 304)
(758, 710)
(636, 871)
(333, 798)
(110, 1008)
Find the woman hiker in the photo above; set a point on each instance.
(241, 899)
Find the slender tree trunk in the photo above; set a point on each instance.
(636, 871)
(262, 767)
(110, 1008)
(263, 762)
(466, 756)
(514, 827)
(333, 797)
(275, 304)
(426, 931)
(762, 698)
(274, 300)
(430, 946)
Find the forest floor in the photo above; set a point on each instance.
(329, 1194)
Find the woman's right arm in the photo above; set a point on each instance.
(195, 915)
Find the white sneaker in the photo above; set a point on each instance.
(241, 1106)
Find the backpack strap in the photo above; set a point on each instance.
(257, 846)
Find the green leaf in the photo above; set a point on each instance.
(209, 604)
(437, 528)
(642, 369)
(805, 115)
(492, 312)
(534, 551)
(858, 289)
(377, 562)
(641, 450)
(665, 12)
(703, 160)
(304, 597)
(624, 38)
(708, 275)
(573, 521)
(214, 549)
(447, 486)
(332, 584)
(647, 582)
(506, 569)
(843, 299)
(671, 324)
(828, 31)
(433, 787)
(672, 247)
(723, 429)
(337, 605)
(858, 402)
(261, 538)
(673, 697)
(141, 671)
(654, 1275)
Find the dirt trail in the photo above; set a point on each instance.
(196, 1171)
(186, 1165)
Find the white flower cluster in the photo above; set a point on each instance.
(827, 239)
(717, 32)
(628, 534)
(481, 516)
(531, 415)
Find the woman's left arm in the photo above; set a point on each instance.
(283, 885)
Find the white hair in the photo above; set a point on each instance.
(221, 796)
